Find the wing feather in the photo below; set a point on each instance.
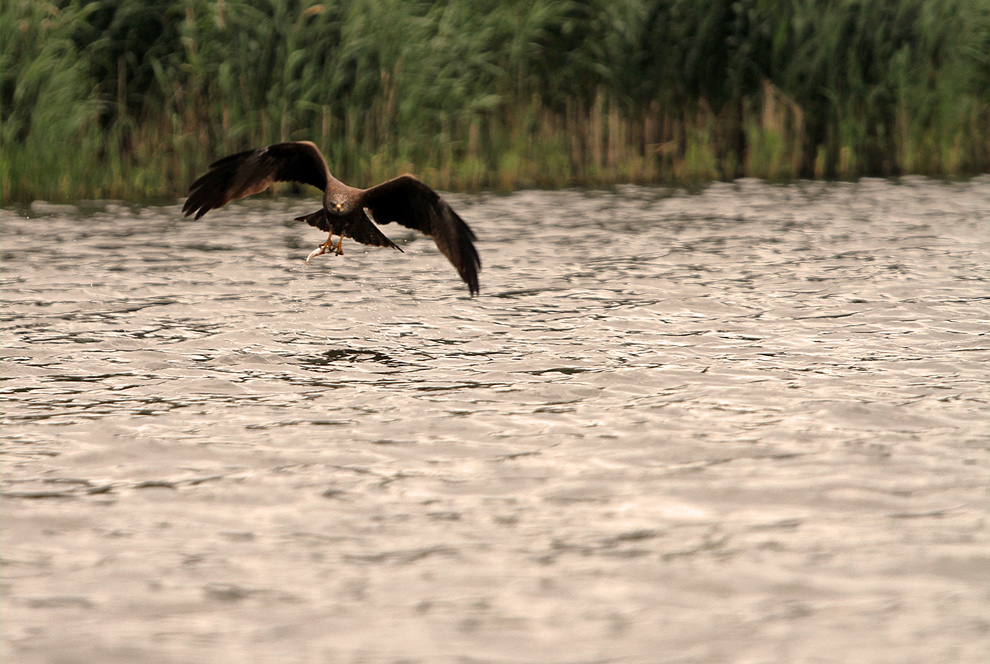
(250, 172)
(407, 201)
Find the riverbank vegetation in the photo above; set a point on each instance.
(129, 99)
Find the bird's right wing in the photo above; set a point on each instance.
(247, 173)
(407, 201)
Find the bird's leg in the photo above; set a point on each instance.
(322, 249)
(338, 250)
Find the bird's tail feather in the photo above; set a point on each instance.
(360, 230)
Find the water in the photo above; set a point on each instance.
(747, 425)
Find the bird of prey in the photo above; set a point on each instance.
(404, 200)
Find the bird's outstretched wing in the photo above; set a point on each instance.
(407, 201)
(247, 173)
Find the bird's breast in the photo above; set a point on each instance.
(340, 221)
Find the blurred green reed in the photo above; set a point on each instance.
(130, 99)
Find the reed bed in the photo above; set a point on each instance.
(131, 99)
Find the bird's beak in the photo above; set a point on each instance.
(338, 206)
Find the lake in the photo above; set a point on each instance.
(745, 424)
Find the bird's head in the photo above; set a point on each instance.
(338, 205)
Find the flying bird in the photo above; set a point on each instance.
(404, 200)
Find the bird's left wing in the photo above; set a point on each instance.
(407, 201)
(249, 172)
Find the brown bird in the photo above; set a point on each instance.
(404, 200)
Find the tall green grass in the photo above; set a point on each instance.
(130, 99)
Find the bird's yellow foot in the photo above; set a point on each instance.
(323, 248)
(338, 250)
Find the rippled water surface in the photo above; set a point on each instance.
(748, 425)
